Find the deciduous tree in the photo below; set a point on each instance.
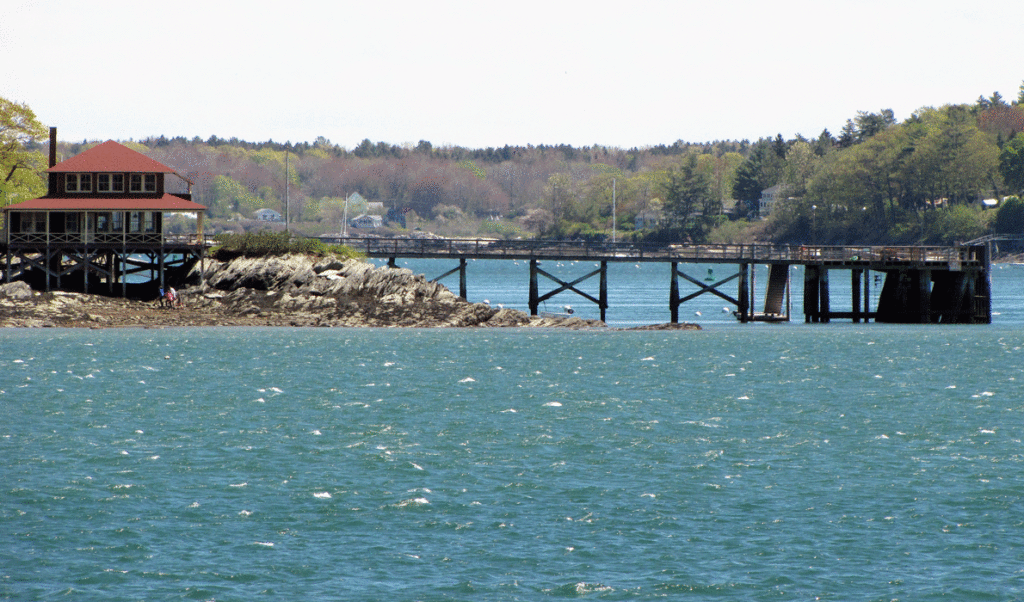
(21, 162)
(1011, 164)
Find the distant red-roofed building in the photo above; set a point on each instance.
(103, 208)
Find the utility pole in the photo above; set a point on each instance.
(613, 210)
(286, 190)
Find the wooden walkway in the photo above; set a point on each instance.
(633, 252)
(923, 284)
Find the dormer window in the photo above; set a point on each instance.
(143, 182)
(78, 182)
(110, 182)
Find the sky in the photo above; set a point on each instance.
(489, 73)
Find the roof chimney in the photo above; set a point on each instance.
(53, 146)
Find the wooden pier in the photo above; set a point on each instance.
(99, 264)
(921, 284)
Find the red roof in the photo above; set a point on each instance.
(168, 202)
(111, 157)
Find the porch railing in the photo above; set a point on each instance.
(112, 239)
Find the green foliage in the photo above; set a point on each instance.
(471, 166)
(21, 162)
(763, 169)
(687, 189)
(576, 231)
(1010, 216)
(732, 232)
(229, 196)
(956, 224)
(266, 243)
(1011, 164)
(503, 229)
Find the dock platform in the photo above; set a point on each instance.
(922, 284)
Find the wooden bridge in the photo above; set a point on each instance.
(921, 285)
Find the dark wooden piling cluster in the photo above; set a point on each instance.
(920, 284)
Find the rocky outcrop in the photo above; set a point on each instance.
(306, 291)
(293, 290)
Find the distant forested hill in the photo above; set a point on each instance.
(878, 180)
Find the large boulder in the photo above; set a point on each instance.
(19, 291)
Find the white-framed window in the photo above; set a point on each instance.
(143, 182)
(78, 182)
(110, 182)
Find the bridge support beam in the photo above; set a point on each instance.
(742, 303)
(461, 269)
(536, 298)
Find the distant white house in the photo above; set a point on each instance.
(268, 215)
(366, 221)
(769, 196)
(648, 218)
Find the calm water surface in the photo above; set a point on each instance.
(742, 462)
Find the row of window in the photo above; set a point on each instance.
(109, 182)
(106, 221)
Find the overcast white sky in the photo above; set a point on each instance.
(481, 73)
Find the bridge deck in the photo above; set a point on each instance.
(840, 256)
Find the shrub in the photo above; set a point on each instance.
(1010, 217)
(266, 243)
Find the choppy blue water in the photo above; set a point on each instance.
(742, 462)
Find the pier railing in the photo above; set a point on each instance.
(127, 239)
(626, 251)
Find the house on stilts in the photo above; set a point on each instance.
(100, 227)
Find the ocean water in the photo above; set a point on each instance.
(740, 462)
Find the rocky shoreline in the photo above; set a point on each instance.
(293, 290)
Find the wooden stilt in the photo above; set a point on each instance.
(924, 295)
(534, 288)
(811, 293)
(673, 294)
(603, 292)
(855, 275)
(463, 288)
(823, 297)
(867, 294)
(743, 295)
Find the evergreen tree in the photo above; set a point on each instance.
(686, 189)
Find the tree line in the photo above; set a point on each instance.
(880, 180)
